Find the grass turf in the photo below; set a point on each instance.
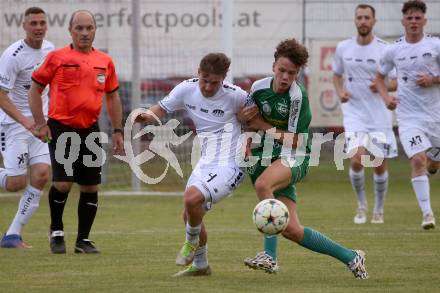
(140, 236)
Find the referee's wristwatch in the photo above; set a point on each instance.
(118, 130)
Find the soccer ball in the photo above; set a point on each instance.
(271, 216)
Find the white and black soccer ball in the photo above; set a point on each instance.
(271, 216)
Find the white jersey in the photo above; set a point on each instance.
(411, 61)
(16, 66)
(359, 64)
(214, 117)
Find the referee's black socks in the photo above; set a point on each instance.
(57, 201)
(87, 207)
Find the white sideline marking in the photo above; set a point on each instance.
(112, 193)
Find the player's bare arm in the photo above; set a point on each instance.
(114, 108)
(148, 118)
(338, 82)
(41, 130)
(10, 109)
(247, 113)
(390, 101)
(390, 84)
(427, 80)
(258, 123)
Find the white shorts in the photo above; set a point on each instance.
(21, 149)
(419, 137)
(215, 183)
(380, 142)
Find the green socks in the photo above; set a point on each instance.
(320, 243)
(270, 245)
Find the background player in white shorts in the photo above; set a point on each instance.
(19, 147)
(416, 57)
(212, 104)
(367, 121)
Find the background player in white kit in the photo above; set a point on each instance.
(366, 117)
(416, 57)
(19, 147)
(212, 104)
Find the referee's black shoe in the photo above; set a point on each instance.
(85, 246)
(56, 240)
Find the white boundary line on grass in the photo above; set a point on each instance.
(113, 193)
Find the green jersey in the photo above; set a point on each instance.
(288, 111)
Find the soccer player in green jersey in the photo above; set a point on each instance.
(282, 112)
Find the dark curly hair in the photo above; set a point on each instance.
(293, 51)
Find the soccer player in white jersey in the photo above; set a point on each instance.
(367, 121)
(416, 57)
(19, 147)
(212, 104)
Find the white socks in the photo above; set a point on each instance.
(192, 233)
(201, 257)
(358, 183)
(29, 203)
(420, 185)
(380, 190)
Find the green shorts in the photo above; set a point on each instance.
(298, 173)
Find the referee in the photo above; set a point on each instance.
(79, 76)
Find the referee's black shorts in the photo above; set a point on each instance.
(73, 160)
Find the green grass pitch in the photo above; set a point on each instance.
(140, 236)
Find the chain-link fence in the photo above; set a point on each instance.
(175, 34)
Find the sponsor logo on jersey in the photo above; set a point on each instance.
(413, 57)
(405, 78)
(218, 113)
(401, 59)
(282, 108)
(358, 60)
(371, 61)
(219, 131)
(251, 169)
(100, 78)
(204, 110)
(267, 109)
(427, 55)
(27, 86)
(190, 106)
(228, 87)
